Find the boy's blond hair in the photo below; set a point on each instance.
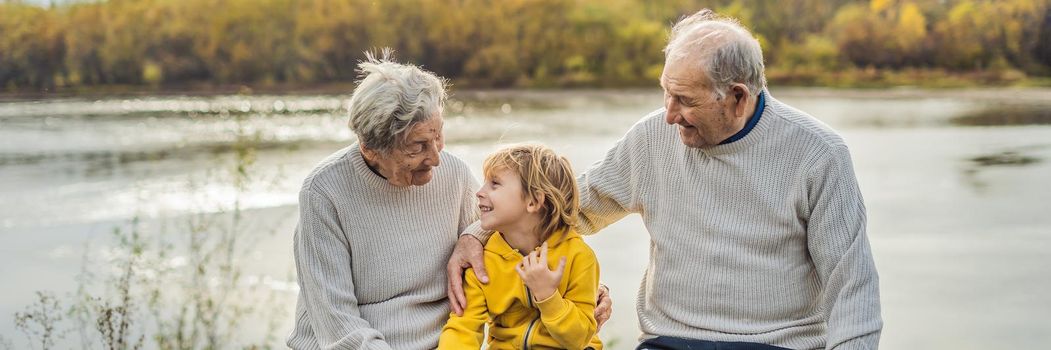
(542, 172)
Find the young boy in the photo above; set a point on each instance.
(530, 199)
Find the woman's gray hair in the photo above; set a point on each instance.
(390, 98)
(727, 51)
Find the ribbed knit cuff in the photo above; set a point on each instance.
(553, 307)
(476, 230)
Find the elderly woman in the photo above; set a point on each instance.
(379, 220)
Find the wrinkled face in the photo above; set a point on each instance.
(502, 201)
(412, 162)
(703, 119)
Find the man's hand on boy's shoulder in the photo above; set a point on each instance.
(603, 306)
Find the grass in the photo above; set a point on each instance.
(138, 298)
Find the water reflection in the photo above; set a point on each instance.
(1008, 158)
(1008, 115)
(1002, 162)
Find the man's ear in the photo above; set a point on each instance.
(536, 202)
(740, 94)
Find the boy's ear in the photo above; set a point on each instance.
(536, 202)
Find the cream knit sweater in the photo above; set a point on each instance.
(760, 240)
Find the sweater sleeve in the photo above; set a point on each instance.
(469, 222)
(840, 250)
(466, 332)
(469, 206)
(609, 189)
(323, 264)
(570, 318)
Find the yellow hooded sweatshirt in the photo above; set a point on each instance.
(565, 320)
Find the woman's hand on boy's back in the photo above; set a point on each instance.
(541, 280)
(467, 254)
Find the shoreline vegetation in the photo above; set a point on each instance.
(203, 46)
(872, 81)
(170, 282)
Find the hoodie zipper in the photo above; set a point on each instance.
(529, 330)
(529, 299)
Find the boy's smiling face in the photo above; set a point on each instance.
(502, 201)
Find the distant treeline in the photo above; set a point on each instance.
(491, 43)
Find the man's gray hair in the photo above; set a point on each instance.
(390, 98)
(728, 52)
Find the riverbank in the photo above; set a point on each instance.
(875, 80)
(871, 78)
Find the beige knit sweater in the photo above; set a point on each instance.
(370, 257)
(759, 240)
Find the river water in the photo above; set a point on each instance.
(956, 184)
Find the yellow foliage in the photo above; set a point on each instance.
(489, 43)
(880, 5)
(911, 28)
(152, 73)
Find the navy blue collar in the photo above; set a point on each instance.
(759, 106)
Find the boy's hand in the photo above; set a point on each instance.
(534, 271)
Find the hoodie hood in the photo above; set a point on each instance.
(499, 246)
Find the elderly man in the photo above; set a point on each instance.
(757, 225)
(379, 219)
